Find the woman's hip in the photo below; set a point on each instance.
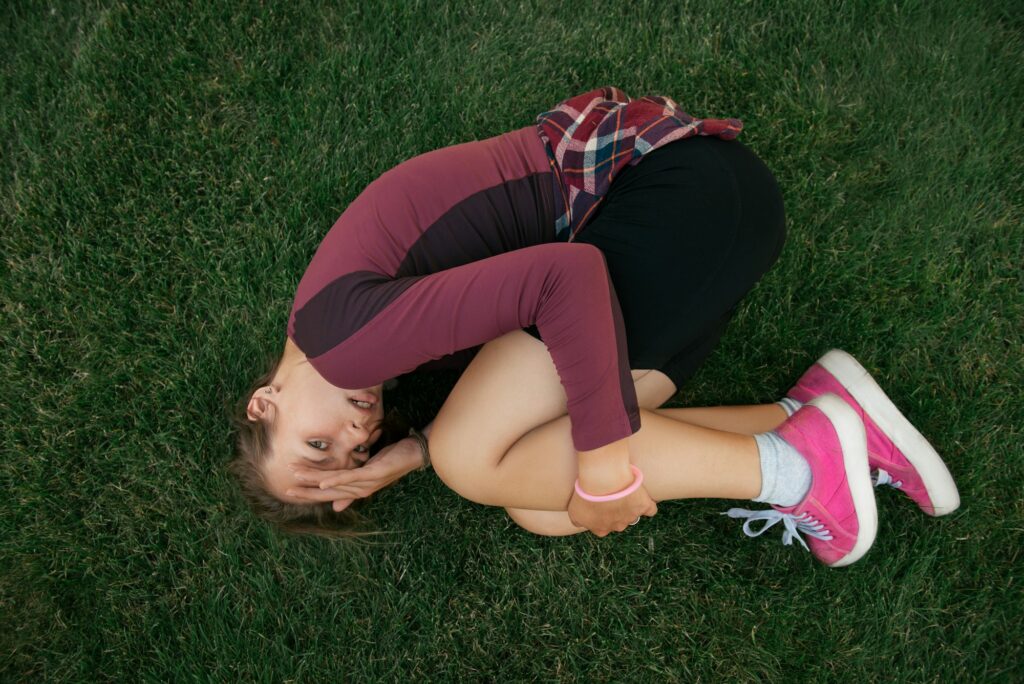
(686, 233)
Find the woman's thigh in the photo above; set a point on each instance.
(510, 388)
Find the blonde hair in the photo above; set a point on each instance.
(253, 449)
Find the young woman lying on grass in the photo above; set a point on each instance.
(579, 271)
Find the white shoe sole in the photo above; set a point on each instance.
(850, 429)
(858, 382)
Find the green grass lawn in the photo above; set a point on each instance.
(167, 172)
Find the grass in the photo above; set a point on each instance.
(167, 171)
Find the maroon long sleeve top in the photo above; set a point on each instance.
(454, 248)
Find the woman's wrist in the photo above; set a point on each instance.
(413, 454)
(606, 469)
(638, 480)
(419, 441)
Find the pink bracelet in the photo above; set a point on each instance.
(638, 480)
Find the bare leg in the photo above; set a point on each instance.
(744, 420)
(654, 388)
(678, 460)
(748, 420)
(503, 439)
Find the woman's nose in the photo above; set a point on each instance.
(358, 431)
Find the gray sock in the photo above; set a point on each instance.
(785, 475)
(789, 405)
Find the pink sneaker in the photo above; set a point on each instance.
(838, 515)
(903, 457)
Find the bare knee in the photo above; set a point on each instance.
(458, 482)
(545, 523)
(468, 477)
(653, 388)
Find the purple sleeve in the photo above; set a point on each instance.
(562, 288)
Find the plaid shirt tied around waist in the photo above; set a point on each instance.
(590, 137)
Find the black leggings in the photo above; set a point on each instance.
(686, 234)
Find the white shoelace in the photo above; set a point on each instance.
(794, 524)
(884, 478)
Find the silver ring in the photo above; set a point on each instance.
(635, 521)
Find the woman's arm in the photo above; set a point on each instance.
(362, 328)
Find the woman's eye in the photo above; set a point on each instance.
(314, 442)
(365, 449)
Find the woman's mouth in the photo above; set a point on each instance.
(363, 400)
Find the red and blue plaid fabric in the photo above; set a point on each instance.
(591, 136)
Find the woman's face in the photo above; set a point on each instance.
(315, 424)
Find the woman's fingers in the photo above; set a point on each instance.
(320, 495)
(348, 478)
(332, 478)
(347, 484)
(350, 491)
(310, 475)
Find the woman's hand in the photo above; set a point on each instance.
(343, 486)
(611, 516)
(603, 471)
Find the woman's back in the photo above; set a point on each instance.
(439, 210)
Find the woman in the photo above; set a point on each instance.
(579, 271)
